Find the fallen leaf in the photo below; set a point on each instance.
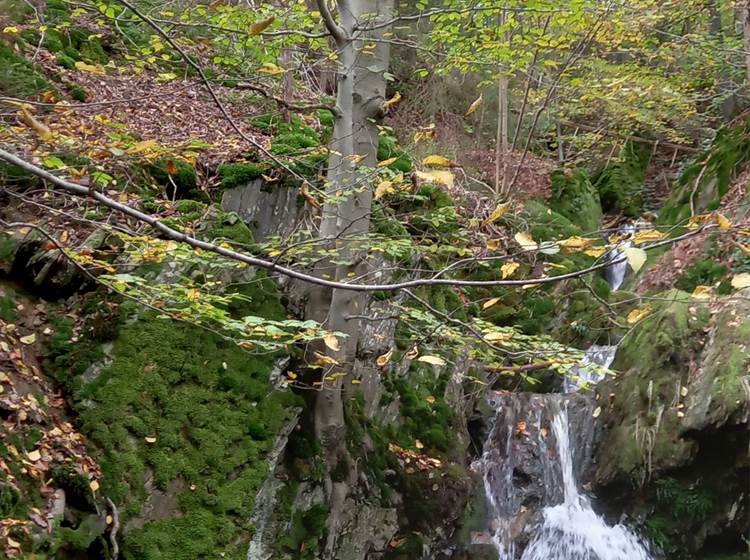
(323, 360)
(393, 100)
(418, 444)
(597, 412)
(508, 269)
(724, 223)
(703, 292)
(387, 162)
(94, 485)
(383, 188)
(498, 336)
(576, 242)
(28, 339)
(434, 360)
(525, 241)
(150, 439)
(40, 128)
(34, 455)
(740, 281)
(430, 399)
(90, 68)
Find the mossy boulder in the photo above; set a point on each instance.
(388, 148)
(682, 370)
(576, 198)
(18, 77)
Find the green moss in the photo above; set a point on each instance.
(546, 224)
(184, 180)
(239, 174)
(291, 143)
(306, 531)
(620, 183)
(8, 311)
(708, 179)
(18, 77)
(78, 93)
(388, 148)
(227, 226)
(207, 404)
(702, 273)
(576, 198)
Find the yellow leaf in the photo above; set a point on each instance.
(576, 242)
(430, 399)
(356, 158)
(724, 223)
(387, 162)
(393, 100)
(490, 302)
(383, 188)
(10, 29)
(261, 26)
(434, 360)
(436, 176)
(28, 339)
(474, 106)
(411, 354)
(646, 236)
(34, 456)
(270, 69)
(192, 294)
(493, 244)
(703, 292)
(636, 257)
(509, 268)
(332, 342)
(150, 439)
(143, 146)
(525, 241)
(385, 358)
(418, 444)
(497, 336)
(499, 211)
(90, 68)
(291, 375)
(323, 360)
(595, 252)
(437, 161)
(28, 119)
(639, 313)
(356, 381)
(94, 485)
(740, 281)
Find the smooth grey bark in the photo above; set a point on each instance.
(746, 35)
(345, 217)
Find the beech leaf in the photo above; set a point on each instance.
(385, 358)
(437, 161)
(261, 26)
(332, 342)
(509, 268)
(474, 106)
(434, 360)
(490, 302)
(636, 257)
(525, 241)
(740, 281)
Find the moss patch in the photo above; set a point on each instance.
(18, 77)
(620, 183)
(576, 198)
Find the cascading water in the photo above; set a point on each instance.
(566, 527)
(571, 530)
(517, 452)
(616, 272)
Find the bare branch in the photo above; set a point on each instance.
(333, 28)
(176, 235)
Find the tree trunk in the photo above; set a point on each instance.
(746, 35)
(346, 215)
(501, 142)
(725, 86)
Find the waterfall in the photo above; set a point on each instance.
(531, 439)
(572, 530)
(582, 376)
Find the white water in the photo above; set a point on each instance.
(572, 530)
(582, 376)
(617, 272)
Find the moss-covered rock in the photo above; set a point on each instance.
(388, 148)
(239, 174)
(182, 182)
(18, 77)
(576, 198)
